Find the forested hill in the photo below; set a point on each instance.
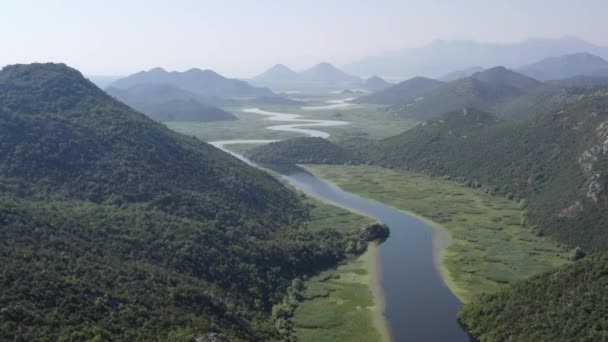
(568, 304)
(485, 90)
(121, 229)
(557, 161)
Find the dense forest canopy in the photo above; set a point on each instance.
(114, 227)
(568, 304)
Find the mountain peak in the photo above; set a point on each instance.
(158, 70)
(40, 84)
(326, 72)
(278, 73)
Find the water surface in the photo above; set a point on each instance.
(418, 305)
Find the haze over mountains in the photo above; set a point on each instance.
(422, 98)
(202, 82)
(320, 73)
(556, 68)
(193, 95)
(441, 57)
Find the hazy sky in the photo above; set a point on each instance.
(241, 38)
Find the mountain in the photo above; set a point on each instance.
(327, 73)
(484, 90)
(458, 74)
(441, 57)
(574, 297)
(376, 83)
(201, 82)
(278, 73)
(401, 93)
(555, 68)
(164, 102)
(183, 110)
(122, 229)
(556, 161)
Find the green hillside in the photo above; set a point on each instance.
(483, 90)
(554, 161)
(113, 227)
(401, 93)
(568, 304)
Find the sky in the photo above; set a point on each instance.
(241, 38)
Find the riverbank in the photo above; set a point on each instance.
(490, 245)
(346, 303)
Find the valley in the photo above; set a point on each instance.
(472, 242)
(314, 171)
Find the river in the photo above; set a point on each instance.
(418, 305)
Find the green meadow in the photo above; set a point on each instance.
(341, 304)
(365, 121)
(490, 243)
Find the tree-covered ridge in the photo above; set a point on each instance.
(302, 151)
(64, 137)
(484, 90)
(113, 227)
(556, 161)
(568, 304)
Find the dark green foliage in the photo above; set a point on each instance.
(302, 151)
(569, 304)
(375, 232)
(541, 159)
(113, 227)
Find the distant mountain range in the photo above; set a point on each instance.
(323, 73)
(327, 73)
(193, 95)
(441, 57)
(555, 68)
(165, 102)
(201, 82)
(507, 93)
(320, 74)
(423, 98)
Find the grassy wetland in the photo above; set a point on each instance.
(342, 304)
(490, 245)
